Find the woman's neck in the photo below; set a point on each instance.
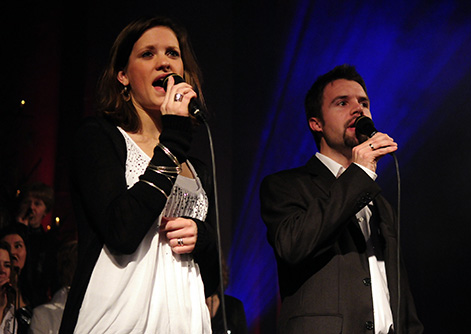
(3, 301)
(147, 137)
(151, 123)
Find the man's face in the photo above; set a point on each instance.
(33, 210)
(343, 102)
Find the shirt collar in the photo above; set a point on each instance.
(336, 168)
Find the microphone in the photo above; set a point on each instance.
(28, 214)
(193, 108)
(8, 288)
(365, 126)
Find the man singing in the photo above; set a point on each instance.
(334, 235)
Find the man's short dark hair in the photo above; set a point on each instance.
(314, 97)
(41, 191)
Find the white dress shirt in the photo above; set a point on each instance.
(383, 319)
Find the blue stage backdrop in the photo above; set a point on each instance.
(412, 55)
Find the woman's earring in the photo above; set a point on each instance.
(126, 93)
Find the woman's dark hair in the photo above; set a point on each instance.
(23, 282)
(5, 246)
(315, 95)
(111, 103)
(16, 228)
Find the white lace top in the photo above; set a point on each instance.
(9, 325)
(152, 290)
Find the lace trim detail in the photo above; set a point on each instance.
(187, 197)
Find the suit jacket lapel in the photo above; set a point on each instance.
(386, 223)
(387, 228)
(321, 176)
(323, 179)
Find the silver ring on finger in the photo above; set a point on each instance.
(178, 97)
(372, 147)
(180, 242)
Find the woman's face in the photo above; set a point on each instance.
(18, 249)
(155, 54)
(5, 266)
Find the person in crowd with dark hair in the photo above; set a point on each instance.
(334, 235)
(47, 317)
(16, 236)
(35, 202)
(8, 322)
(234, 309)
(147, 254)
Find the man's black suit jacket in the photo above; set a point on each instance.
(320, 250)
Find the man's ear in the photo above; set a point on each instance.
(122, 77)
(315, 124)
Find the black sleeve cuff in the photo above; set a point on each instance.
(176, 135)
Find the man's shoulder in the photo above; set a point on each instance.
(288, 172)
(301, 173)
(312, 166)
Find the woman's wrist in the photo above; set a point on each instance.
(177, 134)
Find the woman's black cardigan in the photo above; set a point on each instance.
(108, 213)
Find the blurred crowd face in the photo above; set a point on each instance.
(5, 267)
(18, 250)
(32, 212)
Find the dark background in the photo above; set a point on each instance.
(259, 58)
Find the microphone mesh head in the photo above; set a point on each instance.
(175, 76)
(365, 126)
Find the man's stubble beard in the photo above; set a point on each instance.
(353, 141)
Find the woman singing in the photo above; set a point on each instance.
(147, 255)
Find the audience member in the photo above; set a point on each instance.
(235, 313)
(7, 294)
(15, 235)
(35, 202)
(47, 317)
